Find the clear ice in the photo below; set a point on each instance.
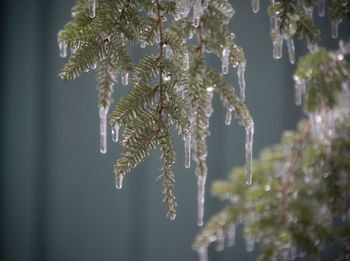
(125, 78)
(186, 61)
(187, 150)
(197, 12)
(119, 181)
(231, 235)
(103, 129)
(203, 253)
(255, 5)
(225, 60)
(249, 151)
(291, 49)
(93, 5)
(277, 46)
(63, 49)
(321, 8)
(241, 79)
(201, 179)
(115, 132)
(228, 117)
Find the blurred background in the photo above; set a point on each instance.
(58, 199)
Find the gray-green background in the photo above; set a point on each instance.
(58, 200)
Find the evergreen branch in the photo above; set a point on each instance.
(83, 59)
(229, 98)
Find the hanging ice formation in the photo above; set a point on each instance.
(255, 5)
(186, 61)
(63, 49)
(119, 181)
(125, 78)
(241, 79)
(187, 140)
(225, 60)
(103, 112)
(115, 132)
(321, 8)
(93, 5)
(249, 151)
(300, 88)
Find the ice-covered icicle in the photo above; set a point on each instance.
(187, 140)
(225, 60)
(249, 151)
(309, 11)
(63, 48)
(115, 132)
(201, 179)
(167, 52)
(93, 5)
(241, 79)
(186, 61)
(220, 239)
(334, 27)
(291, 49)
(125, 78)
(300, 87)
(255, 6)
(197, 12)
(277, 46)
(313, 47)
(231, 235)
(249, 243)
(321, 8)
(203, 253)
(228, 117)
(119, 181)
(103, 129)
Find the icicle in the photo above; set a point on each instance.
(103, 129)
(220, 237)
(167, 52)
(255, 6)
(125, 78)
(93, 5)
(197, 12)
(119, 181)
(225, 60)
(249, 243)
(249, 151)
(309, 11)
(321, 8)
(334, 25)
(63, 48)
(186, 61)
(203, 253)
(228, 117)
(231, 235)
(115, 132)
(93, 66)
(300, 87)
(291, 49)
(143, 44)
(313, 47)
(201, 198)
(274, 23)
(187, 139)
(241, 79)
(277, 46)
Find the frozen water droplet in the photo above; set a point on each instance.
(125, 78)
(228, 117)
(309, 11)
(63, 48)
(225, 60)
(187, 139)
(93, 5)
(321, 8)
(277, 46)
(313, 47)
(115, 132)
(220, 238)
(249, 243)
(186, 61)
(334, 26)
(203, 253)
(201, 179)
(291, 49)
(249, 151)
(241, 79)
(255, 6)
(119, 181)
(197, 12)
(231, 235)
(300, 87)
(103, 129)
(167, 52)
